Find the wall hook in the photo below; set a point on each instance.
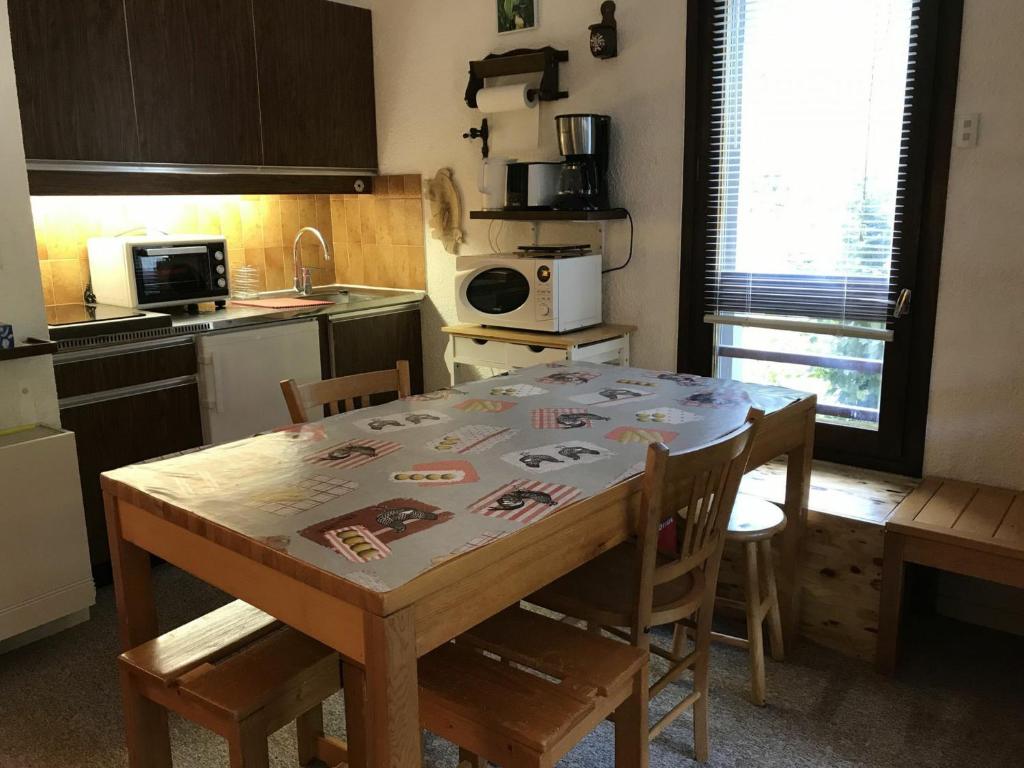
(483, 132)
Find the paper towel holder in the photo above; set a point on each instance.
(519, 62)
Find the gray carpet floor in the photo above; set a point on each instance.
(958, 702)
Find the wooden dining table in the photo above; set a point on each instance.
(460, 502)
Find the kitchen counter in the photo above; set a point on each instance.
(212, 320)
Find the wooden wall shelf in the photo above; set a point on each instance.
(611, 214)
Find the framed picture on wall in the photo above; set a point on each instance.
(516, 15)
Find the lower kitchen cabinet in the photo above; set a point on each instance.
(117, 423)
(374, 340)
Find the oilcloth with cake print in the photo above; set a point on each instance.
(383, 494)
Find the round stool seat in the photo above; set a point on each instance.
(754, 519)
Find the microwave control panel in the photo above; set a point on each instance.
(544, 297)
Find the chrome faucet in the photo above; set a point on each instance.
(303, 275)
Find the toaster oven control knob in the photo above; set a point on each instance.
(222, 283)
(220, 269)
(219, 255)
(543, 310)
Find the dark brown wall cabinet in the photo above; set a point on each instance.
(74, 79)
(375, 342)
(316, 84)
(123, 408)
(196, 82)
(194, 68)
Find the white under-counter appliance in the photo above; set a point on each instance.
(163, 271)
(554, 294)
(240, 374)
(47, 583)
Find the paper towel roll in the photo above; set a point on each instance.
(505, 98)
(515, 121)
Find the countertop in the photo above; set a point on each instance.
(212, 320)
(360, 299)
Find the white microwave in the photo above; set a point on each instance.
(531, 294)
(163, 271)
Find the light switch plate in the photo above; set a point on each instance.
(965, 131)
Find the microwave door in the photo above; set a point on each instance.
(498, 291)
(173, 273)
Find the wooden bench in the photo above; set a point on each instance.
(241, 674)
(966, 528)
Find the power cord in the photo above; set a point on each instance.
(629, 258)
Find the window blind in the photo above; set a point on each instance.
(811, 104)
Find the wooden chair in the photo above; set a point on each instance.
(521, 690)
(753, 523)
(698, 489)
(344, 390)
(242, 675)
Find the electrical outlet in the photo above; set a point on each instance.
(966, 130)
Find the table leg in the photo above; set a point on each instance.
(798, 488)
(391, 697)
(891, 607)
(146, 733)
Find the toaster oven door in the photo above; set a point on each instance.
(170, 274)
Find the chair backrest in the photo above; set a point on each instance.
(351, 391)
(697, 488)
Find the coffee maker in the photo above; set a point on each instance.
(584, 141)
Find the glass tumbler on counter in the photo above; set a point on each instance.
(245, 282)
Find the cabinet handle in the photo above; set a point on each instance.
(211, 396)
(107, 395)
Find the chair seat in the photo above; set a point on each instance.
(282, 666)
(201, 641)
(754, 519)
(234, 662)
(603, 590)
(507, 710)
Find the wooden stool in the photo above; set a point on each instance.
(241, 674)
(753, 523)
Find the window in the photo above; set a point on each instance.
(812, 178)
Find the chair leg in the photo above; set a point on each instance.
(755, 639)
(632, 747)
(772, 596)
(309, 726)
(701, 680)
(679, 640)
(247, 745)
(469, 760)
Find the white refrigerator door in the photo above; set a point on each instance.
(241, 372)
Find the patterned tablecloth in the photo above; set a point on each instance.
(381, 495)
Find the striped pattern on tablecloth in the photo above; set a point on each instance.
(531, 511)
(547, 418)
(381, 447)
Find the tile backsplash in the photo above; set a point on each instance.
(376, 239)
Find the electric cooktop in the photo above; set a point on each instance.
(76, 321)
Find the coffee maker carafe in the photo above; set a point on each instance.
(583, 183)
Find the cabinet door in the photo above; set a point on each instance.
(316, 84)
(376, 342)
(112, 433)
(74, 79)
(196, 90)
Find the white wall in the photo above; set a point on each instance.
(976, 421)
(422, 58)
(27, 391)
(976, 418)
